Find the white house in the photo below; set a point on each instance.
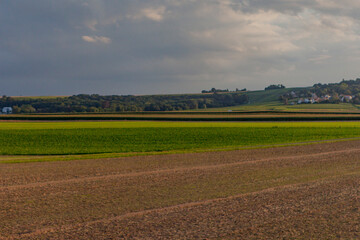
(327, 97)
(346, 98)
(7, 110)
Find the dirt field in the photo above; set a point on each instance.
(296, 192)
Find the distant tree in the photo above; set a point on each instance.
(27, 108)
(241, 90)
(16, 109)
(335, 98)
(93, 109)
(271, 87)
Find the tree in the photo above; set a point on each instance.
(335, 98)
(27, 108)
(16, 109)
(273, 86)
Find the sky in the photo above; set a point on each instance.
(52, 47)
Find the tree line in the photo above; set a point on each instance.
(114, 103)
(273, 86)
(215, 90)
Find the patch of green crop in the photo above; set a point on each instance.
(141, 137)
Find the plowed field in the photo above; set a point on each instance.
(304, 192)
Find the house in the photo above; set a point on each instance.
(345, 98)
(327, 97)
(314, 100)
(7, 110)
(293, 94)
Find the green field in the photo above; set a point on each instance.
(279, 106)
(72, 138)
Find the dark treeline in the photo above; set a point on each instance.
(273, 86)
(345, 87)
(114, 103)
(215, 90)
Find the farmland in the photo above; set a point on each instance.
(278, 106)
(176, 180)
(200, 116)
(308, 192)
(76, 138)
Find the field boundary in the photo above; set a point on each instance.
(13, 159)
(193, 112)
(182, 119)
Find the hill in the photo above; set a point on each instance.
(333, 97)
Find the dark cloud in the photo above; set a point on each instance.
(166, 46)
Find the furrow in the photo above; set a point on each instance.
(172, 208)
(173, 170)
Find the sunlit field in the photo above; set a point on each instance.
(59, 138)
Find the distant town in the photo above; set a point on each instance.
(315, 99)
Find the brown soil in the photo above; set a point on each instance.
(322, 210)
(291, 192)
(189, 115)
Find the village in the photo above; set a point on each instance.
(315, 99)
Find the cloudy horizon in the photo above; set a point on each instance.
(125, 47)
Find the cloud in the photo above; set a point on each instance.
(319, 59)
(155, 14)
(171, 46)
(96, 39)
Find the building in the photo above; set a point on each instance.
(346, 98)
(6, 110)
(327, 97)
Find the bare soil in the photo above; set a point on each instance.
(192, 115)
(297, 192)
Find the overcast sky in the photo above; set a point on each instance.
(52, 47)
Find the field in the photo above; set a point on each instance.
(179, 180)
(279, 106)
(251, 114)
(103, 139)
(294, 192)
